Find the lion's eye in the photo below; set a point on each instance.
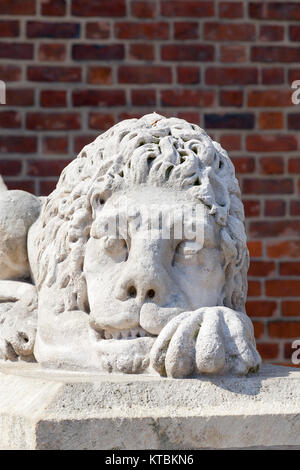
(187, 252)
(116, 248)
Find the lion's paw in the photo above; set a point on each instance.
(211, 340)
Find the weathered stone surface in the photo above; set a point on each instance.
(43, 409)
(138, 259)
(18, 211)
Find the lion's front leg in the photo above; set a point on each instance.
(18, 320)
(209, 340)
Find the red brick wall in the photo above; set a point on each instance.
(74, 68)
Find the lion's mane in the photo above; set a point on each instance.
(161, 151)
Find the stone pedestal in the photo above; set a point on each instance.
(43, 409)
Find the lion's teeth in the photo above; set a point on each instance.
(124, 334)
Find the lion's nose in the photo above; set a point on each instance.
(132, 292)
(140, 289)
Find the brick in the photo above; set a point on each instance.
(10, 73)
(244, 164)
(273, 76)
(52, 52)
(9, 29)
(290, 308)
(284, 329)
(261, 308)
(54, 74)
(23, 185)
(97, 30)
(187, 97)
(99, 8)
(17, 51)
(145, 31)
(231, 76)
(266, 98)
(144, 9)
(289, 268)
(274, 11)
(259, 329)
(57, 30)
(233, 53)
(46, 167)
(275, 54)
(271, 143)
(294, 121)
(261, 268)
(19, 97)
(101, 121)
(268, 186)
(98, 98)
(251, 208)
(294, 33)
(197, 8)
(53, 98)
(284, 249)
(54, 7)
(10, 120)
(229, 121)
(98, 52)
(255, 249)
(254, 288)
(231, 98)
(186, 30)
(271, 165)
(53, 121)
(10, 167)
(271, 120)
(18, 144)
(188, 75)
(190, 116)
(231, 142)
(268, 350)
(294, 165)
(191, 52)
(294, 74)
(275, 208)
(46, 187)
(142, 51)
(55, 145)
(231, 9)
(99, 75)
(295, 207)
(17, 7)
(143, 97)
(81, 140)
(229, 32)
(278, 228)
(271, 33)
(144, 74)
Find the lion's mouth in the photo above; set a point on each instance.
(129, 333)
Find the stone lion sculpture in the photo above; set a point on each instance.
(79, 296)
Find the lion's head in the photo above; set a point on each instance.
(130, 285)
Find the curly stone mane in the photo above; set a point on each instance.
(154, 150)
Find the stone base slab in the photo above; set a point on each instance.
(44, 409)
